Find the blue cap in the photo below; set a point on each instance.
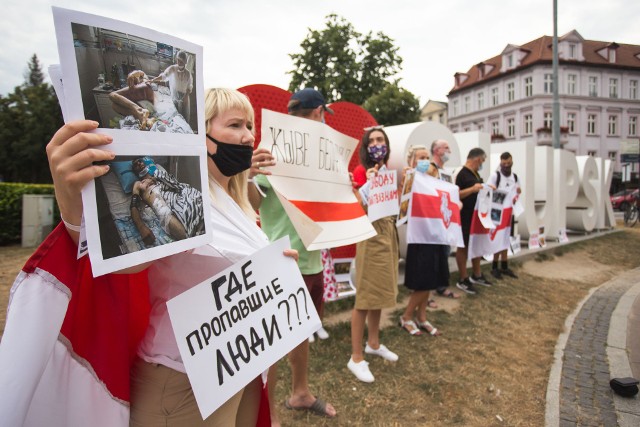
(308, 99)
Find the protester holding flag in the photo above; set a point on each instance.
(470, 184)
(310, 104)
(440, 152)
(426, 267)
(505, 180)
(376, 268)
(160, 390)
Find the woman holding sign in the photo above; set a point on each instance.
(426, 267)
(160, 390)
(376, 268)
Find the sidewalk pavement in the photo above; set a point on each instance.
(601, 341)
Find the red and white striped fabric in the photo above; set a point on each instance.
(484, 241)
(325, 214)
(69, 341)
(434, 214)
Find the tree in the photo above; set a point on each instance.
(34, 76)
(343, 64)
(28, 119)
(393, 106)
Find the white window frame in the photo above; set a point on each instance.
(613, 87)
(592, 124)
(612, 127)
(633, 125)
(495, 96)
(495, 128)
(528, 124)
(571, 84)
(547, 120)
(467, 103)
(548, 83)
(633, 89)
(511, 92)
(593, 86)
(571, 122)
(511, 127)
(480, 99)
(528, 86)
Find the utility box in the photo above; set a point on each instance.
(37, 218)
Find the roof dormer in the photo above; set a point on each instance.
(484, 69)
(609, 52)
(570, 46)
(460, 78)
(512, 56)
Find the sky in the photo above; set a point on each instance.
(248, 42)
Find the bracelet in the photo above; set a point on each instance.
(70, 226)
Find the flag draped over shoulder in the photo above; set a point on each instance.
(488, 241)
(69, 340)
(434, 212)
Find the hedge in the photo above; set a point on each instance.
(11, 208)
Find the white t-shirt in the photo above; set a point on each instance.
(179, 81)
(235, 237)
(507, 183)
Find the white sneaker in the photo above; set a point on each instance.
(383, 352)
(312, 338)
(322, 334)
(361, 370)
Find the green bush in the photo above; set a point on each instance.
(11, 208)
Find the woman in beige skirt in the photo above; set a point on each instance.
(376, 266)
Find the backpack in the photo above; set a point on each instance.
(499, 175)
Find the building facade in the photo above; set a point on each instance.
(434, 111)
(510, 95)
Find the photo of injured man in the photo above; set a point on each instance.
(147, 201)
(133, 83)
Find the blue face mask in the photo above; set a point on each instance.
(480, 167)
(422, 166)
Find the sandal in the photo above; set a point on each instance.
(410, 326)
(432, 304)
(447, 293)
(319, 407)
(431, 330)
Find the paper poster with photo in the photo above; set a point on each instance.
(311, 180)
(541, 238)
(149, 205)
(380, 194)
(514, 246)
(484, 205)
(562, 235)
(114, 73)
(405, 197)
(534, 240)
(144, 88)
(234, 326)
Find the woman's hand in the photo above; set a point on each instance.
(291, 253)
(72, 153)
(371, 172)
(261, 158)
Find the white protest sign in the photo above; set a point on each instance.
(232, 327)
(311, 180)
(534, 240)
(562, 235)
(382, 194)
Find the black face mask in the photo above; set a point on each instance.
(506, 171)
(231, 159)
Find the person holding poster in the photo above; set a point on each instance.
(470, 184)
(310, 104)
(506, 181)
(376, 268)
(440, 152)
(426, 267)
(161, 393)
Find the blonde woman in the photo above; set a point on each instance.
(160, 390)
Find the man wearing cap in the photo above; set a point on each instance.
(310, 104)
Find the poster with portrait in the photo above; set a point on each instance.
(144, 88)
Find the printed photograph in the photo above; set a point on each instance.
(147, 201)
(133, 83)
(499, 196)
(496, 215)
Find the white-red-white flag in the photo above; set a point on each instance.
(69, 341)
(434, 212)
(488, 241)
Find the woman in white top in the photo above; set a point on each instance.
(160, 390)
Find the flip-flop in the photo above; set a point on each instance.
(432, 304)
(319, 407)
(449, 294)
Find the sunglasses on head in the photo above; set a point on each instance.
(377, 127)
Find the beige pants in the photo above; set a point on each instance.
(161, 396)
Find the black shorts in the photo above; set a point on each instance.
(426, 267)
